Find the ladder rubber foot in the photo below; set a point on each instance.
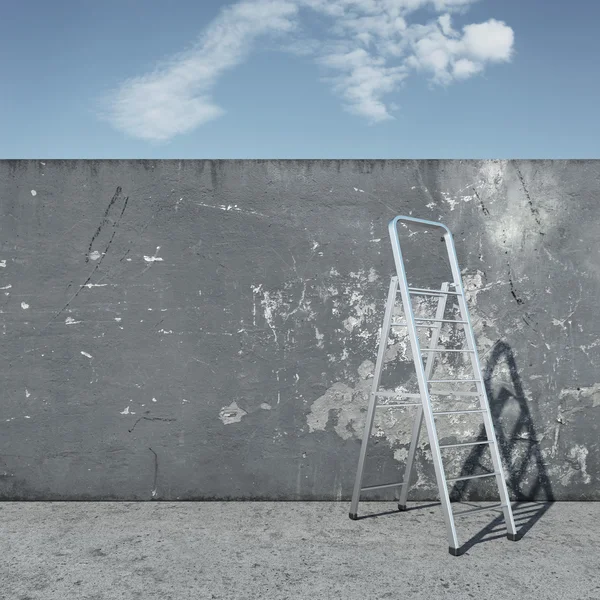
(353, 516)
(456, 551)
(402, 507)
(513, 537)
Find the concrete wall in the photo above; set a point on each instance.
(207, 329)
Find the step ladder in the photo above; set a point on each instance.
(423, 371)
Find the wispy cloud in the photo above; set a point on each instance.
(175, 98)
(369, 49)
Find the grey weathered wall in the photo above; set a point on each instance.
(206, 329)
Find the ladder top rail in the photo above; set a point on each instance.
(421, 222)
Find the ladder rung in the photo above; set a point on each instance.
(392, 394)
(479, 509)
(467, 444)
(473, 476)
(398, 405)
(443, 350)
(404, 324)
(428, 292)
(439, 320)
(450, 380)
(381, 487)
(451, 393)
(459, 412)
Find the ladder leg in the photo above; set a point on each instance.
(435, 336)
(424, 391)
(385, 331)
(484, 402)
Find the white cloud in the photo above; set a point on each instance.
(363, 81)
(175, 99)
(440, 49)
(369, 49)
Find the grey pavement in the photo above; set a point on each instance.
(287, 550)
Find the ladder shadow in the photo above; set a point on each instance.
(523, 432)
(395, 511)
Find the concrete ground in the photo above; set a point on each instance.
(289, 550)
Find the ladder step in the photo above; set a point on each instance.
(459, 412)
(443, 350)
(451, 393)
(439, 320)
(392, 394)
(467, 444)
(381, 487)
(428, 292)
(398, 405)
(473, 476)
(404, 324)
(479, 509)
(450, 380)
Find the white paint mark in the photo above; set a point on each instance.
(165, 331)
(231, 414)
(91, 285)
(278, 391)
(86, 354)
(319, 337)
(27, 417)
(154, 492)
(33, 193)
(6, 287)
(153, 258)
(315, 245)
(27, 394)
(265, 406)
(231, 207)
(71, 321)
(3, 263)
(118, 319)
(24, 305)
(153, 399)
(126, 411)
(95, 255)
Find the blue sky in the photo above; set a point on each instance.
(300, 79)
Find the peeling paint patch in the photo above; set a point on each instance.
(95, 255)
(579, 453)
(71, 321)
(232, 414)
(265, 406)
(24, 305)
(126, 411)
(592, 392)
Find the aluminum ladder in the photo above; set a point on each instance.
(423, 372)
